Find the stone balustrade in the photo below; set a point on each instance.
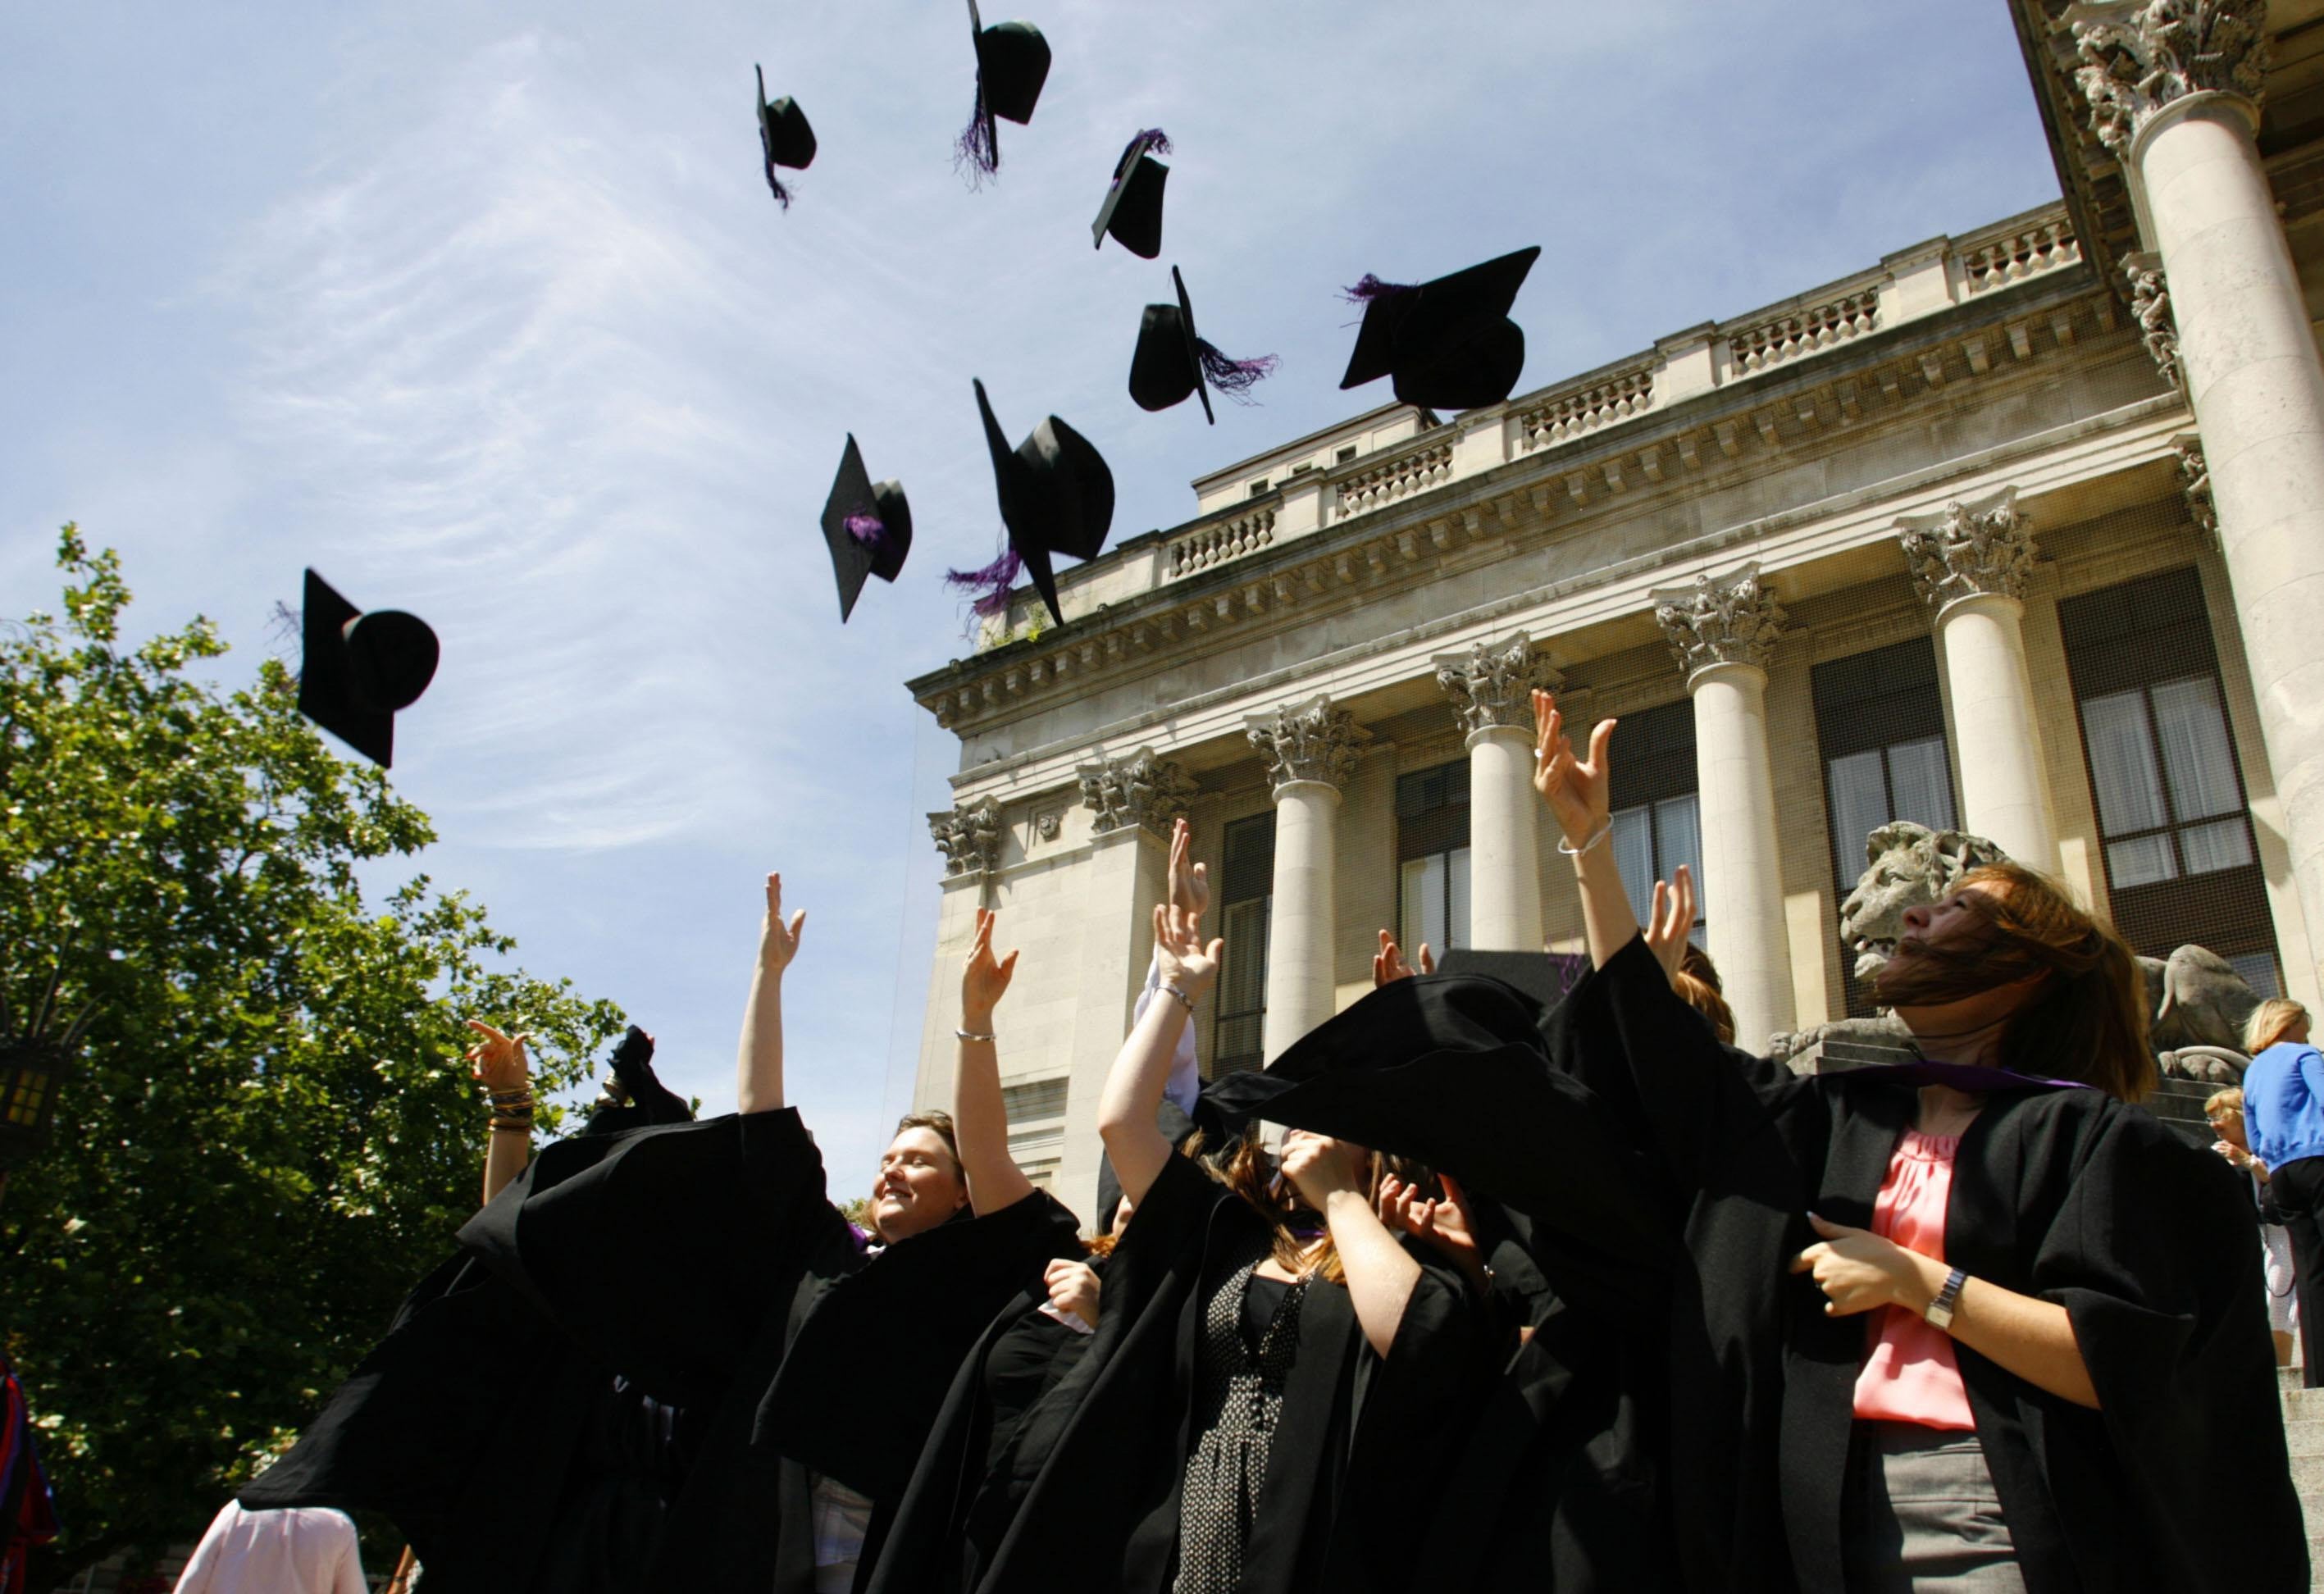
(1370, 486)
(1218, 541)
(1913, 286)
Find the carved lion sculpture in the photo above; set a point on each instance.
(2199, 1001)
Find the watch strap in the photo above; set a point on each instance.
(1941, 1310)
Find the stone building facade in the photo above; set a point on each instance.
(2021, 531)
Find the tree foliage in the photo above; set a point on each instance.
(269, 1136)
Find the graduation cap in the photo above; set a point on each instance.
(868, 525)
(784, 135)
(1012, 62)
(1132, 211)
(359, 669)
(1544, 976)
(1057, 497)
(645, 1099)
(1449, 344)
(1171, 361)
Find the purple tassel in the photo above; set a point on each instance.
(1372, 288)
(1234, 378)
(782, 194)
(974, 152)
(1149, 141)
(992, 583)
(867, 530)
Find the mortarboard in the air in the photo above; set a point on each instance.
(1132, 211)
(1171, 360)
(1012, 62)
(643, 1098)
(784, 136)
(358, 670)
(868, 525)
(1449, 344)
(1056, 496)
(1544, 976)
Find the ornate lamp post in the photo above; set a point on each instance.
(33, 1062)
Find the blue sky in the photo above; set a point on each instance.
(485, 311)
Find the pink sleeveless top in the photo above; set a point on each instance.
(1911, 1375)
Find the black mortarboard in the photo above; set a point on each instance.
(868, 525)
(1056, 496)
(649, 1101)
(1449, 343)
(785, 137)
(1544, 976)
(1132, 211)
(1012, 62)
(359, 669)
(1172, 360)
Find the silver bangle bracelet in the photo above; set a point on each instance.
(972, 1035)
(1183, 1000)
(1596, 836)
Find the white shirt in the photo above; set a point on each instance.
(1185, 1081)
(842, 1519)
(299, 1550)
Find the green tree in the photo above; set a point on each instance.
(269, 1136)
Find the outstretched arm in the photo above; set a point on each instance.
(980, 1118)
(497, 1062)
(1381, 1273)
(759, 1059)
(1133, 1089)
(1576, 791)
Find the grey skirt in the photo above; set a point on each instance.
(1922, 1514)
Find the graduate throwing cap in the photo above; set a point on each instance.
(359, 670)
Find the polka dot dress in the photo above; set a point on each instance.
(1239, 1394)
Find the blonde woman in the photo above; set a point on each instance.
(2284, 1126)
(2225, 1110)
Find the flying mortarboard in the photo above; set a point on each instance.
(1171, 361)
(1012, 61)
(1449, 344)
(360, 669)
(1057, 497)
(1132, 211)
(785, 137)
(867, 525)
(643, 1099)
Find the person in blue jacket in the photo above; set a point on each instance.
(2284, 1120)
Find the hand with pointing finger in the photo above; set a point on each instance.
(1857, 1271)
(497, 1062)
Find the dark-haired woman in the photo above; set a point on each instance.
(1974, 1323)
(1266, 1396)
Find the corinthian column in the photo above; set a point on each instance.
(1310, 750)
(1491, 689)
(1970, 562)
(1722, 630)
(2174, 88)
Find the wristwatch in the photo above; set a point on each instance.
(1941, 1310)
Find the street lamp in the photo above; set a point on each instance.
(33, 1062)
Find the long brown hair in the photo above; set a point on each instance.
(2086, 1019)
(1245, 1167)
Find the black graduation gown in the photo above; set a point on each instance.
(1357, 1448)
(1011, 1399)
(2181, 1482)
(731, 1285)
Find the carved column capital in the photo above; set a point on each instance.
(1983, 546)
(969, 836)
(2134, 57)
(1730, 619)
(2195, 484)
(2150, 305)
(1136, 789)
(1310, 741)
(1491, 685)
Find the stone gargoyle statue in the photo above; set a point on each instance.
(2199, 1001)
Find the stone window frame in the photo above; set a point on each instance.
(1247, 884)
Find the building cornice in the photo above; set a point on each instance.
(1245, 576)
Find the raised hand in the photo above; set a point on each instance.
(497, 1062)
(1671, 918)
(1388, 964)
(1447, 1224)
(1183, 959)
(1319, 1166)
(984, 979)
(1190, 883)
(1073, 1287)
(779, 943)
(1575, 790)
